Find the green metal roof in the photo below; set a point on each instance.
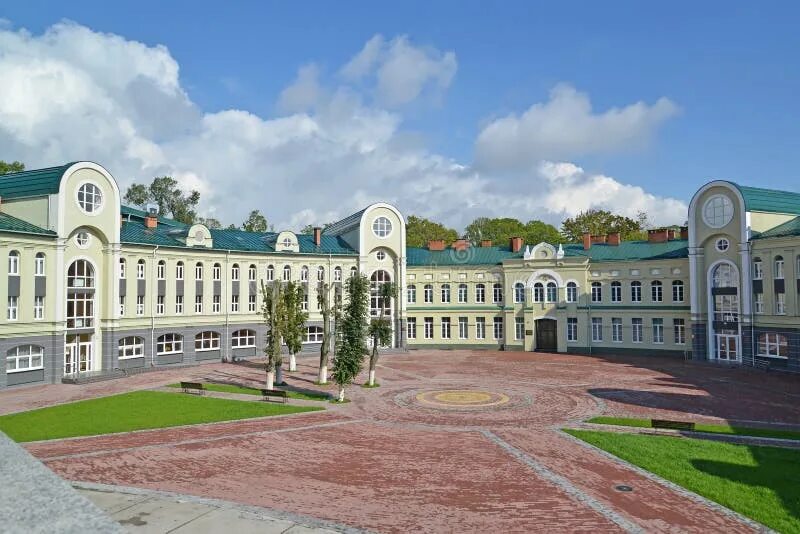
(135, 213)
(787, 229)
(33, 183)
(449, 256)
(769, 200)
(342, 226)
(9, 223)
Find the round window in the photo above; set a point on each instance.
(82, 239)
(718, 211)
(723, 244)
(382, 227)
(380, 255)
(90, 198)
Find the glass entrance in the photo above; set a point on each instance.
(78, 354)
(727, 347)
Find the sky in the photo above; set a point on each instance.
(450, 110)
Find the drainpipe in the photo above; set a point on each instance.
(154, 291)
(225, 303)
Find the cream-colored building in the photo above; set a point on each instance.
(95, 288)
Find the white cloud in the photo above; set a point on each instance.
(72, 93)
(566, 127)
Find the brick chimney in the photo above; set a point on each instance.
(150, 221)
(684, 232)
(614, 239)
(486, 242)
(515, 243)
(587, 240)
(659, 235)
(460, 244)
(317, 236)
(436, 244)
(602, 238)
(672, 234)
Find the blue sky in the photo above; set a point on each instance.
(730, 69)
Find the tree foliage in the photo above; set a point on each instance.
(329, 312)
(255, 222)
(294, 321)
(352, 346)
(14, 166)
(273, 314)
(380, 329)
(170, 199)
(309, 228)
(501, 230)
(599, 222)
(420, 230)
(211, 223)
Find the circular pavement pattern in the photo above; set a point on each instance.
(461, 398)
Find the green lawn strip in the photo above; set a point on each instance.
(762, 483)
(700, 427)
(230, 388)
(138, 410)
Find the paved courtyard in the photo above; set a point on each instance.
(451, 441)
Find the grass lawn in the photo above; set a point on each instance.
(762, 483)
(132, 411)
(229, 388)
(699, 427)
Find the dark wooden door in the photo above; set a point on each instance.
(546, 335)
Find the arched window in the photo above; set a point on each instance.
(428, 293)
(677, 291)
(446, 293)
(656, 291)
(320, 273)
(140, 270)
(207, 340)
(636, 291)
(287, 273)
(378, 303)
(304, 273)
(779, 267)
(130, 347)
(572, 292)
(773, 345)
(252, 273)
(353, 271)
(411, 294)
(597, 292)
(337, 274)
(552, 292)
(519, 292)
(198, 270)
(169, 344)
(758, 269)
(497, 293)
(463, 293)
(270, 275)
(243, 338)
(724, 276)
(726, 305)
(216, 272)
(161, 269)
(13, 262)
(235, 271)
(616, 291)
(313, 334)
(480, 293)
(24, 358)
(179, 271)
(538, 292)
(122, 269)
(80, 274)
(38, 264)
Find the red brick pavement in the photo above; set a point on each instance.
(388, 463)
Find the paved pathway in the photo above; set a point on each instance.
(391, 462)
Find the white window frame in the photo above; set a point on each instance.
(31, 353)
(616, 329)
(428, 329)
(572, 329)
(179, 271)
(411, 294)
(497, 328)
(597, 329)
(616, 291)
(463, 328)
(656, 291)
(179, 304)
(89, 198)
(251, 303)
(411, 328)
(160, 307)
(480, 293)
(173, 341)
(313, 334)
(679, 331)
(207, 340)
(38, 308)
(140, 268)
(39, 264)
(480, 328)
(445, 328)
(636, 291)
(13, 263)
(161, 270)
(773, 342)
(235, 303)
(572, 292)
(445, 293)
(244, 338)
(678, 294)
(497, 293)
(463, 293)
(130, 347)
(427, 293)
(235, 272)
(519, 328)
(139, 305)
(658, 330)
(597, 292)
(637, 330)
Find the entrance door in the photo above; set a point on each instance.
(727, 347)
(78, 354)
(546, 339)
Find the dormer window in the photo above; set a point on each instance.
(90, 198)
(287, 242)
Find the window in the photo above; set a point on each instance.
(616, 291)
(130, 347)
(235, 272)
(382, 227)
(773, 345)
(636, 292)
(243, 338)
(206, 341)
(411, 294)
(216, 306)
(379, 305)
(235, 303)
(428, 293)
(658, 330)
(161, 270)
(304, 273)
(216, 273)
(139, 304)
(38, 308)
(122, 305)
(270, 276)
(411, 328)
(13, 262)
(637, 330)
(313, 334)
(497, 293)
(572, 292)
(80, 310)
(321, 273)
(446, 293)
(759, 302)
(428, 327)
(198, 303)
(718, 211)
(179, 304)
(287, 242)
(780, 303)
(480, 293)
(463, 328)
(303, 303)
(38, 264)
(779, 267)
(597, 329)
(160, 305)
(82, 239)
(722, 244)
(677, 291)
(572, 329)
(179, 271)
(538, 292)
(12, 314)
(90, 198)
(445, 327)
(679, 330)
(353, 271)
(337, 274)
(198, 271)
(169, 344)
(25, 358)
(597, 292)
(552, 292)
(758, 269)
(656, 291)
(251, 303)
(287, 273)
(140, 270)
(463, 293)
(616, 330)
(498, 328)
(122, 268)
(480, 328)
(252, 273)
(380, 255)
(519, 292)
(519, 328)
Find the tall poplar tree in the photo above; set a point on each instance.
(329, 313)
(294, 320)
(349, 356)
(380, 329)
(272, 311)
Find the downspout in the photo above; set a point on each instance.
(753, 340)
(226, 304)
(153, 311)
(328, 298)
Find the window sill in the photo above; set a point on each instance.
(771, 357)
(206, 350)
(169, 353)
(130, 357)
(12, 371)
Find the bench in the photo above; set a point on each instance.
(188, 387)
(274, 393)
(674, 425)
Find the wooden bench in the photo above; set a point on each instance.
(188, 387)
(674, 425)
(274, 393)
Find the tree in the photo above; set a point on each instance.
(380, 329)
(171, 200)
(599, 222)
(420, 230)
(211, 223)
(294, 320)
(501, 230)
(272, 311)
(309, 228)
(255, 222)
(328, 312)
(349, 356)
(14, 166)
(538, 232)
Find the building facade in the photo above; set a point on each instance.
(94, 286)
